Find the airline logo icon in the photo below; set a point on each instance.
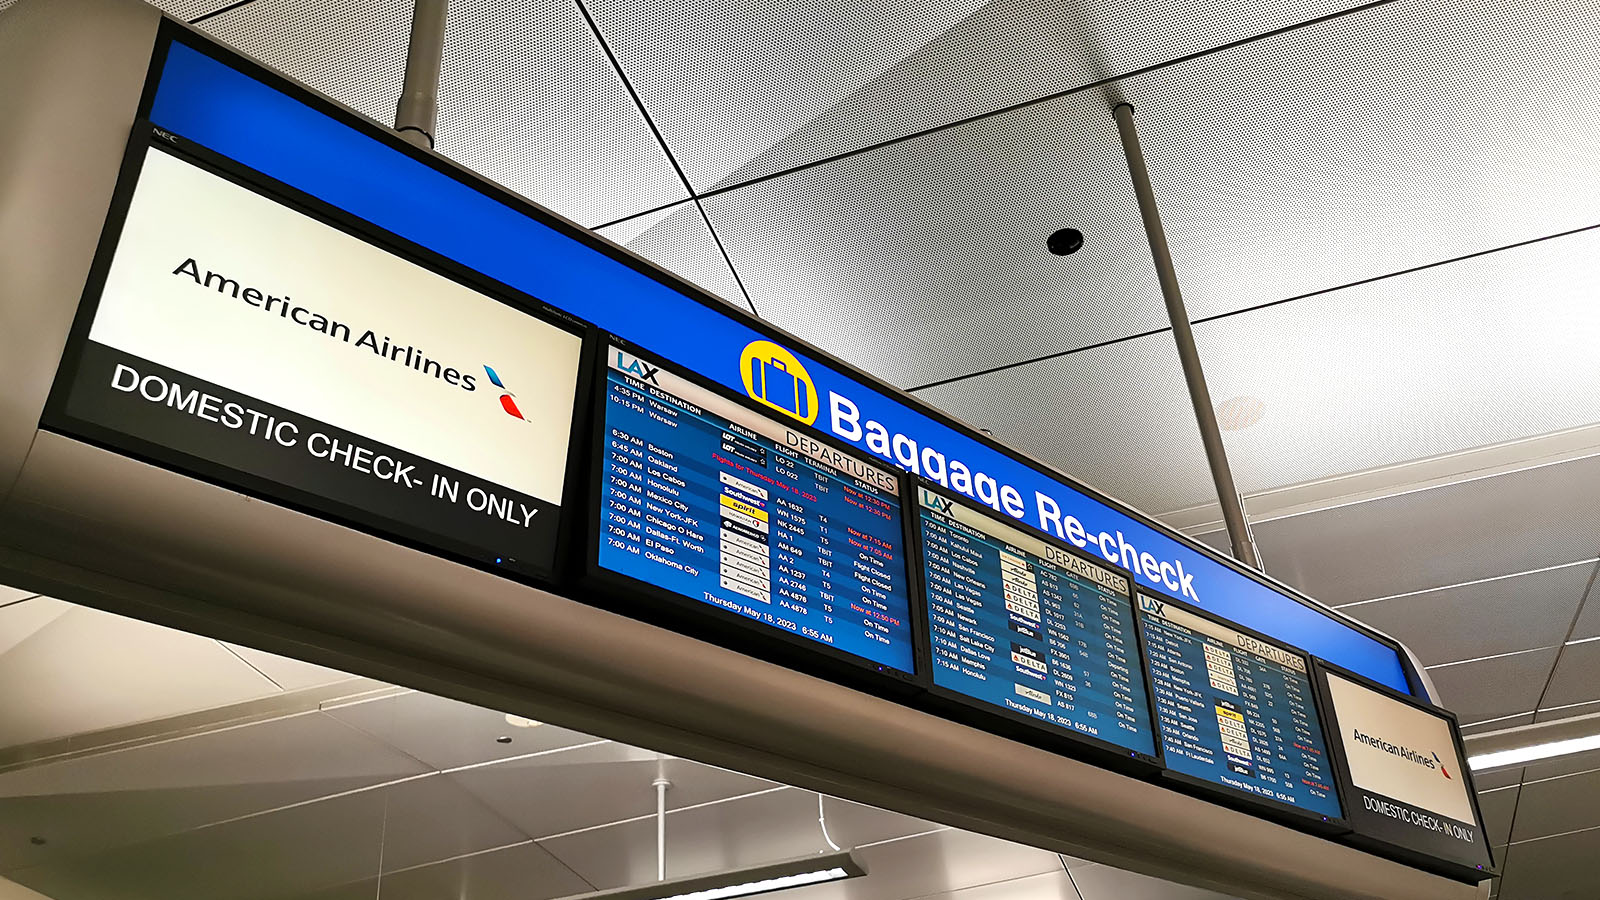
(507, 399)
(1441, 766)
(774, 377)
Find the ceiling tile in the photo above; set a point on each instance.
(1488, 781)
(289, 674)
(1471, 621)
(1577, 676)
(1117, 418)
(927, 260)
(21, 619)
(1375, 143)
(678, 239)
(743, 88)
(1441, 536)
(943, 865)
(353, 51)
(121, 797)
(104, 670)
(189, 9)
(1498, 807)
(312, 846)
(1556, 868)
(446, 734)
(521, 872)
(1502, 686)
(1588, 624)
(595, 785)
(528, 99)
(1495, 723)
(1566, 711)
(744, 832)
(9, 595)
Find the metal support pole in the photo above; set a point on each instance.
(1244, 546)
(418, 110)
(661, 785)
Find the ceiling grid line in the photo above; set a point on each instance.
(638, 102)
(1025, 104)
(1250, 309)
(217, 12)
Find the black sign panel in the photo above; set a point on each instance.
(1408, 793)
(240, 333)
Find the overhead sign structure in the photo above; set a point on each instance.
(1237, 714)
(246, 340)
(1407, 791)
(217, 103)
(705, 500)
(1030, 630)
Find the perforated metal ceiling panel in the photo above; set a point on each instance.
(1116, 417)
(678, 239)
(527, 98)
(353, 51)
(1404, 135)
(744, 88)
(926, 259)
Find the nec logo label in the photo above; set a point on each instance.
(507, 399)
(773, 377)
(638, 368)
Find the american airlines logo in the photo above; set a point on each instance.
(1428, 760)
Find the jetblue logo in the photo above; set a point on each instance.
(638, 368)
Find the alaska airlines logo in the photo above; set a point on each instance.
(775, 378)
(507, 399)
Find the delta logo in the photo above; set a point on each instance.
(774, 377)
(508, 400)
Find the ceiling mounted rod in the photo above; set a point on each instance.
(418, 111)
(1244, 545)
(661, 784)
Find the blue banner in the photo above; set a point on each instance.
(232, 113)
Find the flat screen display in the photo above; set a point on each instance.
(1236, 711)
(707, 499)
(1406, 785)
(246, 340)
(1023, 626)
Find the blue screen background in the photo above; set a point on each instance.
(206, 101)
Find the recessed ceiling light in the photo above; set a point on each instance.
(520, 722)
(1237, 413)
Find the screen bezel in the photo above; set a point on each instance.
(1471, 874)
(145, 139)
(171, 30)
(981, 714)
(1266, 807)
(645, 601)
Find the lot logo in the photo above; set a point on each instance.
(507, 399)
(638, 368)
(774, 377)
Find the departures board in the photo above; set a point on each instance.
(1029, 630)
(706, 500)
(1237, 713)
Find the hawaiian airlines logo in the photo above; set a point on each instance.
(775, 378)
(1441, 766)
(508, 400)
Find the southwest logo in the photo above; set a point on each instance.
(1441, 766)
(775, 378)
(507, 399)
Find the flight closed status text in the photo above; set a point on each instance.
(1026, 626)
(714, 502)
